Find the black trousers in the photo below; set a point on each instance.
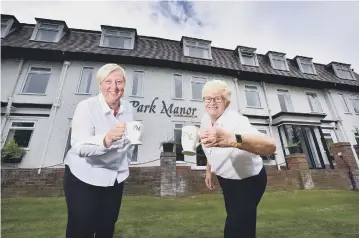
(92, 210)
(241, 198)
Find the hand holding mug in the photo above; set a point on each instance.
(217, 137)
(115, 133)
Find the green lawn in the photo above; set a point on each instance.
(311, 214)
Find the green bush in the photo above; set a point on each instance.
(12, 150)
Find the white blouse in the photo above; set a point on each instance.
(88, 159)
(232, 163)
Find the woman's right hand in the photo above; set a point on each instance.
(208, 180)
(115, 133)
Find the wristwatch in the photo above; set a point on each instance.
(238, 140)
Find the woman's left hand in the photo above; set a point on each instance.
(216, 137)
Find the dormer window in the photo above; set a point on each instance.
(306, 65)
(343, 71)
(248, 56)
(278, 61)
(197, 48)
(7, 25)
(48, 30)
(117, 38)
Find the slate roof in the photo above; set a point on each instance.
(85, 41)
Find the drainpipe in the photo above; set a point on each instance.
(340, 124)
(235, 80)
(54, 109)
(263, 84)
(10, 100)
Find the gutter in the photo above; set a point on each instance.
(263, 84)
(55, 107)
(9, 101)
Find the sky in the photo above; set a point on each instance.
(324, 30)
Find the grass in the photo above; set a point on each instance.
(323, 214)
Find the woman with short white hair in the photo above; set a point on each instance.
(233, 148)
(97, 163)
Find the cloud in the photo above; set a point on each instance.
(326, 31)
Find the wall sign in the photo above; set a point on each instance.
(169, 110)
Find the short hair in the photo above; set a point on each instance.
(220, 86)
(105, 70)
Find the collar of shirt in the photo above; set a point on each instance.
(105, 107)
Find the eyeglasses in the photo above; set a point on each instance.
(209, 99)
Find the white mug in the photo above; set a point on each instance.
(190, 140)
(134, 130)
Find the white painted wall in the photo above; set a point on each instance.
(158, 82)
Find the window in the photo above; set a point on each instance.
(356, 135)
(248, 56)
(285, 100)
(344, 103)
(328, 141)
(355, 103)
(343, 71)
(37, 80)
(134, 154)
(197, 84)
(85, 80)
(178, 86)
(306, 65)
(197, 49)
(137, 83)
(177, 135)
(4, 27)
(116, 38)
(21, 132)
(278, 61)
(252, 96)
(48, 32)
(314, 103)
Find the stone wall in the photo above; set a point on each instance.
(171, 180)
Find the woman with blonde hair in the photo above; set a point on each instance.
(97, 163)
(233, 148)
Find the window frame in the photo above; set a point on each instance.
(118, 35)
(318, 104)
(285, 91)
(195, 81)
(300, 61)
(344, 103)
(38, 27)
(187, 45)
(26, 78)
(142, 85)
(174, 86)
(9, 23)
(273, 55)
(252, 90)
(338, 67)
(174, 128)
(356, 98)
(80, 79)
(248, 51)
(10, 127)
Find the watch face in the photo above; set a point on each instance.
(238, 138)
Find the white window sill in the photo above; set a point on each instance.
(196, 167)
(285, 70)
(196, 100)
(181, 162)
(250, 65)
(193, 57)
(177, 98)
(254, 107)
(82, 93)
(117, 48)
(134, 163)
(45, 41)
(135, 96)
(33, 94)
